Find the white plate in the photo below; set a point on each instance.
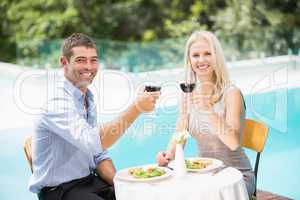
(215, 163)
(125, 176)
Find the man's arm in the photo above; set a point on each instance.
(112, 131)
(106, 170)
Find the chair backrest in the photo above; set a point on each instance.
(28, 151)
(254, 138)
(255, 135)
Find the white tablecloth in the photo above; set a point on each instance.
(227, 184)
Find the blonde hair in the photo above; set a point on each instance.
(220, 73)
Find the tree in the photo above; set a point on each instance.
(257, 26)
(7, 47)
(35, 21)
(35, 27)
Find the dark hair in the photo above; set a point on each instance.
(76, 40)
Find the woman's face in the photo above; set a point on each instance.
(200, 56)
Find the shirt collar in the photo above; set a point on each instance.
(72, 89)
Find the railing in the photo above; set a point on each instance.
(133, 56)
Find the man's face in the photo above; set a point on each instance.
(82, 67)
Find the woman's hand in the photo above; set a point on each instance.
(163, 158)
(203, 103)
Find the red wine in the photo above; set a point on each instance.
(187, 87)
(152, 88)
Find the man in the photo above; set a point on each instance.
(70, 160)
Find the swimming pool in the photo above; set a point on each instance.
(279, 170)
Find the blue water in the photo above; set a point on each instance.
(279, 169)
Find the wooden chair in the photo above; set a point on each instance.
(28, 151)
(254, 138)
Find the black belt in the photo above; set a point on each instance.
(45, 190)
(48, 189)
(52, 188)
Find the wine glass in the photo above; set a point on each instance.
(187, 87)
(152, 88)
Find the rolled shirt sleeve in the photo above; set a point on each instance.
(101, 156)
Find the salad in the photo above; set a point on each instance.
(146, 173)
(197, 164)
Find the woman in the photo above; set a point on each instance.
(216, 108)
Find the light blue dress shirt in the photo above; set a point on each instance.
(66, 144)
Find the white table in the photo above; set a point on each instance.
(227, 184)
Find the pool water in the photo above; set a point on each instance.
(279, 169)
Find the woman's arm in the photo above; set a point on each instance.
(229, 129)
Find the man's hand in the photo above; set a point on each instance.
(202, 102)
(145, 102)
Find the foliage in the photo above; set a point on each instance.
(7, 47)
(259, 28)
(139, 35)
